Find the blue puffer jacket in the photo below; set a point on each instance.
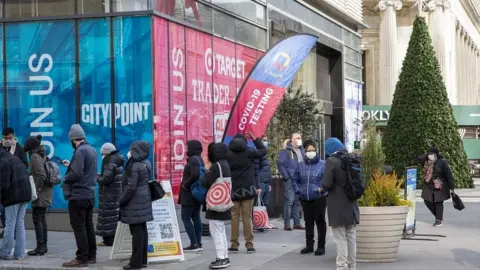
(309, 179)
(262, 170)
(287, 162)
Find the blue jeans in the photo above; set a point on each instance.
(265, 194)
(2, 215)
(15, 219)
(292, 205)
(194, 230)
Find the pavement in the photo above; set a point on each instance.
(279, 250)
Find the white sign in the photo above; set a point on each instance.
(164, 241)
(376, 115)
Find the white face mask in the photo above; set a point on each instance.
(103, 156)
(129, 155)
(8, 143)
(432, 157)
(311, 155)
(299, 143)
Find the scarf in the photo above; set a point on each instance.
(428, 171)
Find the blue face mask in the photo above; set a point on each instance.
(265, 143)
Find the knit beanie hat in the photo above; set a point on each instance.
(107, 149)
(433, 150)
(76, 133)
(333, 145)
(32, 142)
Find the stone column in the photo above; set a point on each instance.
(458, 58)
(388, 50)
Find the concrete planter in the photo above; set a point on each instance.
(380, 232)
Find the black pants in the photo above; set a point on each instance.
(436, 208)
(81, 219)
(108, 240)
(314, 213)
(139, 245)
(40, 223)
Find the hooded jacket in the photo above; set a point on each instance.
(14, 180)
(110, 190)
(37, 171)
(309, 179)
(217, 155)
(136, 201)
(241, 161)
(191, 173)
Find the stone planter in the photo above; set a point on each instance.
(380, 232)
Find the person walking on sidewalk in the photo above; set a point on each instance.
(110, 190)
(136, 202)
(15, 194)
(217, 155)
(38, 171)
(343, 213)
(190, 207)
(287, 164)
(438, 183)
(308, 185)
(244, 189)
(79, 189)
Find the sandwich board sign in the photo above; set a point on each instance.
(164, 241)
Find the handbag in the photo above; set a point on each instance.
(457, 202)
(156, 189)
(437, 184)
(260, 215)
(219, 195)
(33, 187)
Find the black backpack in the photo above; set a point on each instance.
(355, 185)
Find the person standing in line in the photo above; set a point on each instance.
(136, 202)
(79, 189)
(343, 213)
(217, 155)
(44, 193)
(263, 176)
(190, 207)
(10, 144)
(287, 164)
(438, 183)
(308, 185)
(110, 190)
(244, 189)
(15, 194)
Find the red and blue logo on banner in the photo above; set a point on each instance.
(265, 86)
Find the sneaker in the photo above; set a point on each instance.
(306, 250)
(192, 248)
(128, 267)
(200, 247)
(288, 228)
(227, 261)
(233, 250)
(438, 223)
(219, 264)
(92, 260)
(298, 227)
(251, 250)
(75, 264)
(320, 252)
(5, 258)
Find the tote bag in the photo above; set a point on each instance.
(457, 202)
(260, 215)
(219, 195)
(33, 187)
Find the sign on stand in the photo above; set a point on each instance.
(410, 194)
(164, 241)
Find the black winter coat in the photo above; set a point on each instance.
(191, 173)
(241, 160)
(19, 152)
(442, 171)
(217, 154)
(14, 180)
(110, 189)
(136, 201)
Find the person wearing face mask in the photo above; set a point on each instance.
(79, 189)
(110, 189)
(438, 183)
(10, 144)
(308, 185)
(287, 164)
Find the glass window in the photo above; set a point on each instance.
(353, 73)
(199, 14)
(261, 38)
(222, 24)
(245, 33)
(93, 6)
(129, 5)
(248, 9)
(353, 57)
(36, 8)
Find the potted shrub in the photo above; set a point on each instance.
(382, 210)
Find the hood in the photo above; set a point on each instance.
(238, 144)
(32, 143)
(115, 157)
(140, 150)
(194, 148)
(217, 152)
(39, 150)
(333, 145)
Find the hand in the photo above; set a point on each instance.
(65, 162)
(259, 191)
(269, 188)
(452, 191)
(320, 190)
(249, 135)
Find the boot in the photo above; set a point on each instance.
(39, 251)
(309, 248)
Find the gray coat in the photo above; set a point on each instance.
(37, 171)
(341, 210)
(81, 178)
(441, 171)
(136, 201)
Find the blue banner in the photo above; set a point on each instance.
(410, 194)
(133, 81)
(40, 58)
(2, 91)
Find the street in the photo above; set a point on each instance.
(279, 250)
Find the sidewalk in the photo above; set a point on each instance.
(471, 195)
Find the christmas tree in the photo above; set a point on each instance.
(421, 115)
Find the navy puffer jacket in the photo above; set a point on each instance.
(309, 179)
(263, 172)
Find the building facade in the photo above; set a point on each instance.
(164, 71)
(454, 27)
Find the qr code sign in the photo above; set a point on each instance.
(166, 231)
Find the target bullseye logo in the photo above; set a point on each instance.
(260, 218)
(219, 194)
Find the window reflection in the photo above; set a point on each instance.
(129, 5)
(244, 8)
(93, 6)
(36, 8)
(198, 14)
(245, 33)
(224, 24)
